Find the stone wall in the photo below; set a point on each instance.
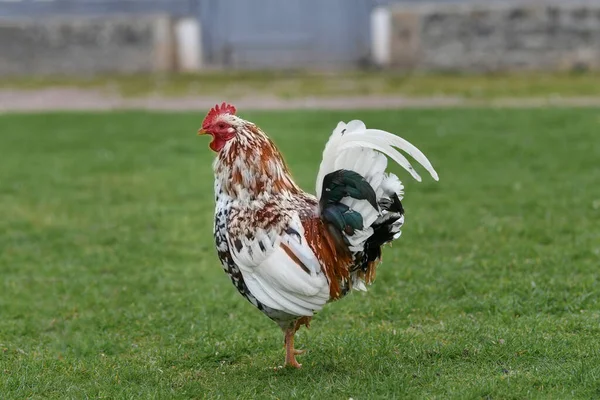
(86, 45)
(496, 37)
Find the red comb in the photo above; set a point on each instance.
(217, 110)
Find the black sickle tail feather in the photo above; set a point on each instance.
(383, 231)
(393, 204)
(337, 185)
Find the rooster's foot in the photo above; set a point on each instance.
(290, 352)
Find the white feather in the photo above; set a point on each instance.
(391, 185)
(274, 278)
(355, 135)
(358, 284)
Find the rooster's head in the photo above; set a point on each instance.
(248, 164)
(222, 124)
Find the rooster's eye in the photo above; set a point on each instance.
(221, 126)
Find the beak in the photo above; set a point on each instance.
(201, 132)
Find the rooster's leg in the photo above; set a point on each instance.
(290, 352)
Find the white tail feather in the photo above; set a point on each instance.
(391, 184)
(355, 135)
(404, 145)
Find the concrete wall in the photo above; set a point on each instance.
(86, 45)
(495, 37)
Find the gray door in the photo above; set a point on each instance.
(285, 33)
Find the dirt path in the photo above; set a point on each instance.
(58, 99)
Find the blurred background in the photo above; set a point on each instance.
(99, 36)
(194, 47)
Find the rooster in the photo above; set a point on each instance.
(289, 252)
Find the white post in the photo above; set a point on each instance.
(189, 44)
(381, 33)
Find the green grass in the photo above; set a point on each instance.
(290, 84)
(111, 287)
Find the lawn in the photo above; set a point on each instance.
(111, 287)
(300, 84)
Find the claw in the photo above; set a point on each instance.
(294, 364)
